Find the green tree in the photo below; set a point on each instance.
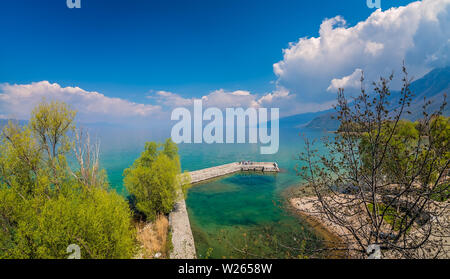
(44, 206)
(399, 138)
(438, 156)
(154, 179)
(439, 140)
(402, 141)
(383, 183)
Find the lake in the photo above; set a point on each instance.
(241, 215)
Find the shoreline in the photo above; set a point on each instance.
(331, 239)
(182, 236)
(300, 205)
(306, 205)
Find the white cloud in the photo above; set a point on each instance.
(221, 98)
(349, 82)
(172, 100)
(310, 73)
(270, 98)
(17, 101)
(279, 98)
(417, 33)
(373, 48)
(218, 98)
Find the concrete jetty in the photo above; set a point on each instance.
(182, 238)
(214, 172)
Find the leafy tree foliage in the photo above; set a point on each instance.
(154, 179)
(402, 143)
(384, 181)
(400, 147)
(44, 207)
(439, 139)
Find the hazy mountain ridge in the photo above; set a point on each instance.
(4, 122)
(300, 120)
(433, 86)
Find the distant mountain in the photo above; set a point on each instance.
(324, 122)
(4, 122)
(433, 86)
(299, 120)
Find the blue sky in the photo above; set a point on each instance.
(133, 49)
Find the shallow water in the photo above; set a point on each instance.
(229, 213)
(234, 212)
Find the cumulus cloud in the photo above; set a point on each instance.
(349, 82)
(418, 33)
(217, 98)
(271, 98)
(171, 99)
(17, 100)
(280, 98)
(311, 71)
(223, 99)
(228, 99)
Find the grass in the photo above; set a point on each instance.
(169, 244)
(442, 193)
(155, 238)
(391, 216)
(304, 190)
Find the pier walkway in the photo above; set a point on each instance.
(210, 173)
(182, 238)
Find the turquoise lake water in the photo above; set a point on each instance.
(233, 212)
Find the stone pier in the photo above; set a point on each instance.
(182, 238)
